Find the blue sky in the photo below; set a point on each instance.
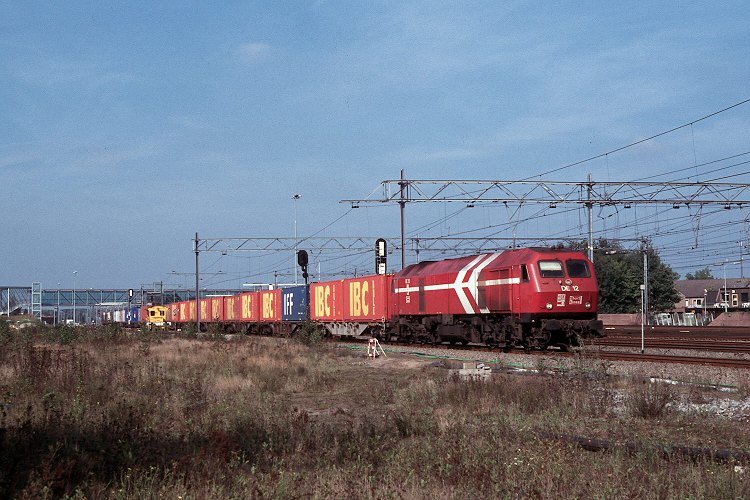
(129, 126)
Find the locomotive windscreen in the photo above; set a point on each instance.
(577, 268)
(551, 269)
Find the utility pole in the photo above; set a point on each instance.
(74, 297)
(590, 209)
(197, 287)
(645, 278)
(402, 204)
(742, 271)
(295, 198)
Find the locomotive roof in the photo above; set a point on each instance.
(507, 257)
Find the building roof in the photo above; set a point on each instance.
(696, 288)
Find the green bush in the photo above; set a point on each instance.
(65, 334)
(111, 331)
(308, 333)
(5, 334)
(189, 330)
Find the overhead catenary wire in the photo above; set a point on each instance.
(674, 129)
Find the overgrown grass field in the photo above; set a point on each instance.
(97, 413)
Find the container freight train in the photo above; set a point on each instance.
(531, 298)
(151, 316)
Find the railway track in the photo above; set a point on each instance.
(711, 345)
(725, 362)
(692, 332)
(669, 358)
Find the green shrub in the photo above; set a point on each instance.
(215, 331)
(189, 330)
(112, 331)
(308, 333)
(65, 334)
(5, 334)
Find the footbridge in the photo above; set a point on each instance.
(56, 305)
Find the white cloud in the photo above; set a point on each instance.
(253, 52)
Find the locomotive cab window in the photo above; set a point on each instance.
(577, 268)
(524, 274)
(551, 269)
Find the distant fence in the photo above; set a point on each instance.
(682, 319)
(660, 319)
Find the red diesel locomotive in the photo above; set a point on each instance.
(528, 297)
(532, 298)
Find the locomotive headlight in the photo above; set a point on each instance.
(549, 305)
(588, 305)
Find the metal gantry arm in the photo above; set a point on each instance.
(316, 244)
(586, 194)
(602, 193)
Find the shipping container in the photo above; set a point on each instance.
(327, 301)
(270, 305)
(172, 311)
(366, 298)
(216, 309)
(250, 307)
(205, 305)
(232, 308)
(135, 315)
(294, 303)
(192, 311)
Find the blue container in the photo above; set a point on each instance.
(135, 315)
(294, 303)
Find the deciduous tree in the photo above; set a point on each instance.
(702, 274)
(620, 273)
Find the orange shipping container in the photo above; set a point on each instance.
(366, 298)
(270, 309)
(250, 306)
(217, 308)
(172, 311)
(184, 315)
(232, 308)
(326, 301)
(205, 310)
